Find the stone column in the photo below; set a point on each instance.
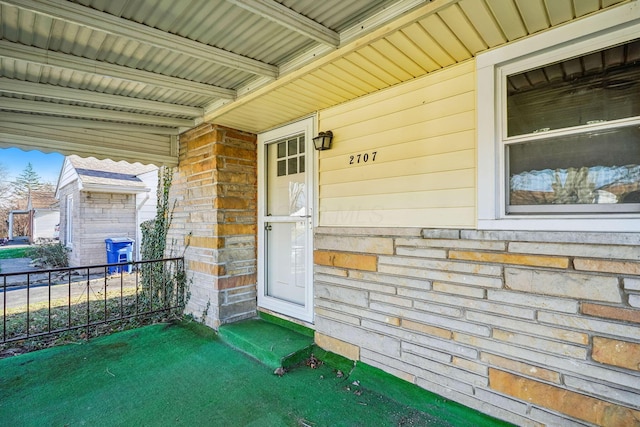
(215, 216)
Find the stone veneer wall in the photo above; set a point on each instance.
(214, 188)
(536, 328)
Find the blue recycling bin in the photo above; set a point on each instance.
(119, 249)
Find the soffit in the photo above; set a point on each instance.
(121, 78)
(107, 70)
(430, 38)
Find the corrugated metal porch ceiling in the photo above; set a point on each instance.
(121, 78)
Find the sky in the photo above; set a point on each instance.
(47, 166)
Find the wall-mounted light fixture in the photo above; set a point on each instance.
(323, 140)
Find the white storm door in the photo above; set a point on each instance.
(285, 259)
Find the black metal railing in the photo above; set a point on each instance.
(48, 302)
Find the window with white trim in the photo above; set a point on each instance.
(571, 137)
(561, 145)
(68, 232)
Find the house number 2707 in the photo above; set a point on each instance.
(362, 158)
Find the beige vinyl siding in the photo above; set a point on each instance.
(423, 134)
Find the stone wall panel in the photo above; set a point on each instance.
(533, 328)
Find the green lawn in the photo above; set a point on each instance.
(9, 253)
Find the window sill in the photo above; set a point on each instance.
(618, 224)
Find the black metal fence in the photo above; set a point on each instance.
(47, 302)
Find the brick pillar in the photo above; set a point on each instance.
(215, 218)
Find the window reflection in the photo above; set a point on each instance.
(591, 156)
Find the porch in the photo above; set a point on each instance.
(186, 374)
(419, 262)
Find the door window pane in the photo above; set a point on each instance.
(293, 166)
(293, 147)
(286, 194)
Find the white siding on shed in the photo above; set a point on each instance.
(146, 204)
(68, 175)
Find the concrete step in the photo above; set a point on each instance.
(272, 344)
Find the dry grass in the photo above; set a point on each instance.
(64, 302)
(118, 309)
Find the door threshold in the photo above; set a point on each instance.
(297, 325)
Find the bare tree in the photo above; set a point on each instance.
(23, 192)
(5, 200)
(5, 187)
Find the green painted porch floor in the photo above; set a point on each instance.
(184, 374)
